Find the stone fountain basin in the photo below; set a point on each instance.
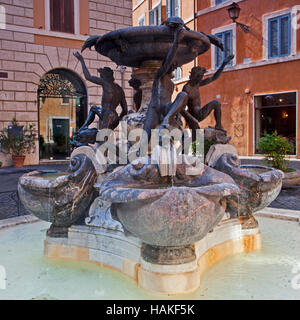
(135, 45)
(61, 198)
(268, 186)
(164, 215)
(174, 216)
(38, 192)
(259, 185)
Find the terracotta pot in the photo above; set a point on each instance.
(18, 161)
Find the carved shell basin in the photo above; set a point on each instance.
(61, 198)
(135, 45)
(160, 214)
(269, 186)
(259, 185)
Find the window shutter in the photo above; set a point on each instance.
(273, 38)
(159, 14)
(285, 35)
(218, 52)
(151, 17)
(217, 57)
(227, 40)
(169, 8)
(68, 19)
(55, 11)
(228, 44)
(177, 8)
(62, 15)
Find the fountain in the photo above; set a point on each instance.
(163, 226)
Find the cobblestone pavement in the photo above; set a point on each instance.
(10, 206)
(289, 198)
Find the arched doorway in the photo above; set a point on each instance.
(62, 99)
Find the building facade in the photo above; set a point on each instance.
(259, 90)
(41, 82)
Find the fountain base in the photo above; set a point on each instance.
(168, 255)
(126, 254)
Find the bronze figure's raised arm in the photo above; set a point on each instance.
(161, 109)
(194, 102)
(113, 96)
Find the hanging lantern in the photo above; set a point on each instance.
(234, 11)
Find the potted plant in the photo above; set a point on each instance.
(275, 148)
(18, 143)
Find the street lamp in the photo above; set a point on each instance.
(234, 13)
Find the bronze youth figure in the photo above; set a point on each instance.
(113, 96)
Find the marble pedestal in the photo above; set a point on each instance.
(115, 250)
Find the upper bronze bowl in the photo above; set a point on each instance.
(135, 45)
(164, 215)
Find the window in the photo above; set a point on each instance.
(155, 15)
(141, 21)
(173, 8)
(177, 74)
(279, 36)
(220, 1)
(62, 15)
(226, 38)
(65, 101)
(217, 2)
(276, 112)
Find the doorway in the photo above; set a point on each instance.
(60, 129)
(62, 101)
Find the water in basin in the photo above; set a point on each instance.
(264, 274)
(50, 176)
(256, 170)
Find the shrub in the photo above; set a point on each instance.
(275, 149)
(21, 145)
(207, 145)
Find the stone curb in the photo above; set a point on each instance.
(282, 214)
(11, 222)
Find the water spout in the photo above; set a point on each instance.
(166, 159)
